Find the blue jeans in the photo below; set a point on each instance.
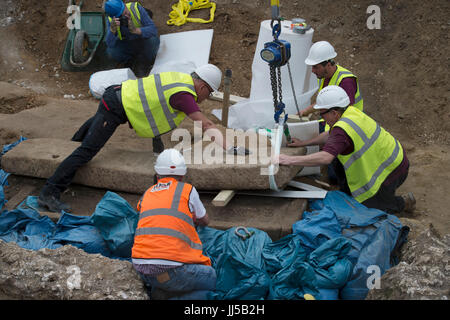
(191, 281)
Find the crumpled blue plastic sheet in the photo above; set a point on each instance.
(116, 221)
(25, 226)
(374, 234)
(327, 255)
(257, 268)
(3, 182)
(33, 231)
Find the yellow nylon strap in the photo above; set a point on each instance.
(180, 11)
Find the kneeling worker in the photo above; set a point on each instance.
(167, 251)
(320, 57)
(374, 162)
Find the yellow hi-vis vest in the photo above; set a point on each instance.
(146, 102)
(135, 17)
(340, 74)
(376, 153)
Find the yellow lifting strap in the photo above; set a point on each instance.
(181, 10)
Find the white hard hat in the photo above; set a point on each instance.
(170, 162)
(319, 52)
(210, 74)
(332, 97)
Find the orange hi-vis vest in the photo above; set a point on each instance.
(166, 228)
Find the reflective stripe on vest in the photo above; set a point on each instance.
(339, 75)
(173, 212)
(134, 13)
(169, 232)
(135, 17)
(367, 142)
(166, 229)
(147, 102)
(377, 173)
(376, 154)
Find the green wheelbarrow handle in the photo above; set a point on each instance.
(92, 54)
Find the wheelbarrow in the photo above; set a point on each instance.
(85, 48)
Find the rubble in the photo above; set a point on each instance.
(65, 273)
(423, 272)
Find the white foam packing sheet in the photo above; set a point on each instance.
(305, 131)
(302, 77)
(254, 114)
(192, 46)
(180, 51)
(258, 111)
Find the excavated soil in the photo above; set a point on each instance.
(402, 69)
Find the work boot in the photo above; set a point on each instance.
(158, 145)
(410, 202)
(52, 203)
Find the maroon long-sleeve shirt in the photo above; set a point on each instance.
(340, 143)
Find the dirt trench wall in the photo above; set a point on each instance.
(423, 272)
(65, 273)
(71, 273)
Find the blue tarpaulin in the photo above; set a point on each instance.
(108, 231)
(374, 234)
(326, 256)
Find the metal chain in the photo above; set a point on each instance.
(279, 85)
(273, 82)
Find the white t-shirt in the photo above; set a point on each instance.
(196, 205)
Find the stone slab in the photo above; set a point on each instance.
(132, 171)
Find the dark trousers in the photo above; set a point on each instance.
(93, 134)
(138, 54)
(385, 199)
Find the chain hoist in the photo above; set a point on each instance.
(277, 53)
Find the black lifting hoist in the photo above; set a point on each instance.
(277, 54)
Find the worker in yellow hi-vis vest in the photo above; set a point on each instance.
(373, 161)
(132, 38)
(321, 55)
(152, 106)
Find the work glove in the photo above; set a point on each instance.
(238, 151)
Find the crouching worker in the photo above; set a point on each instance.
(374, 162)
(132, 37)
(167, 251)
(152, 106)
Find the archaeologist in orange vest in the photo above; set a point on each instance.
(152, 106)
(374, 162)
(167, 252)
